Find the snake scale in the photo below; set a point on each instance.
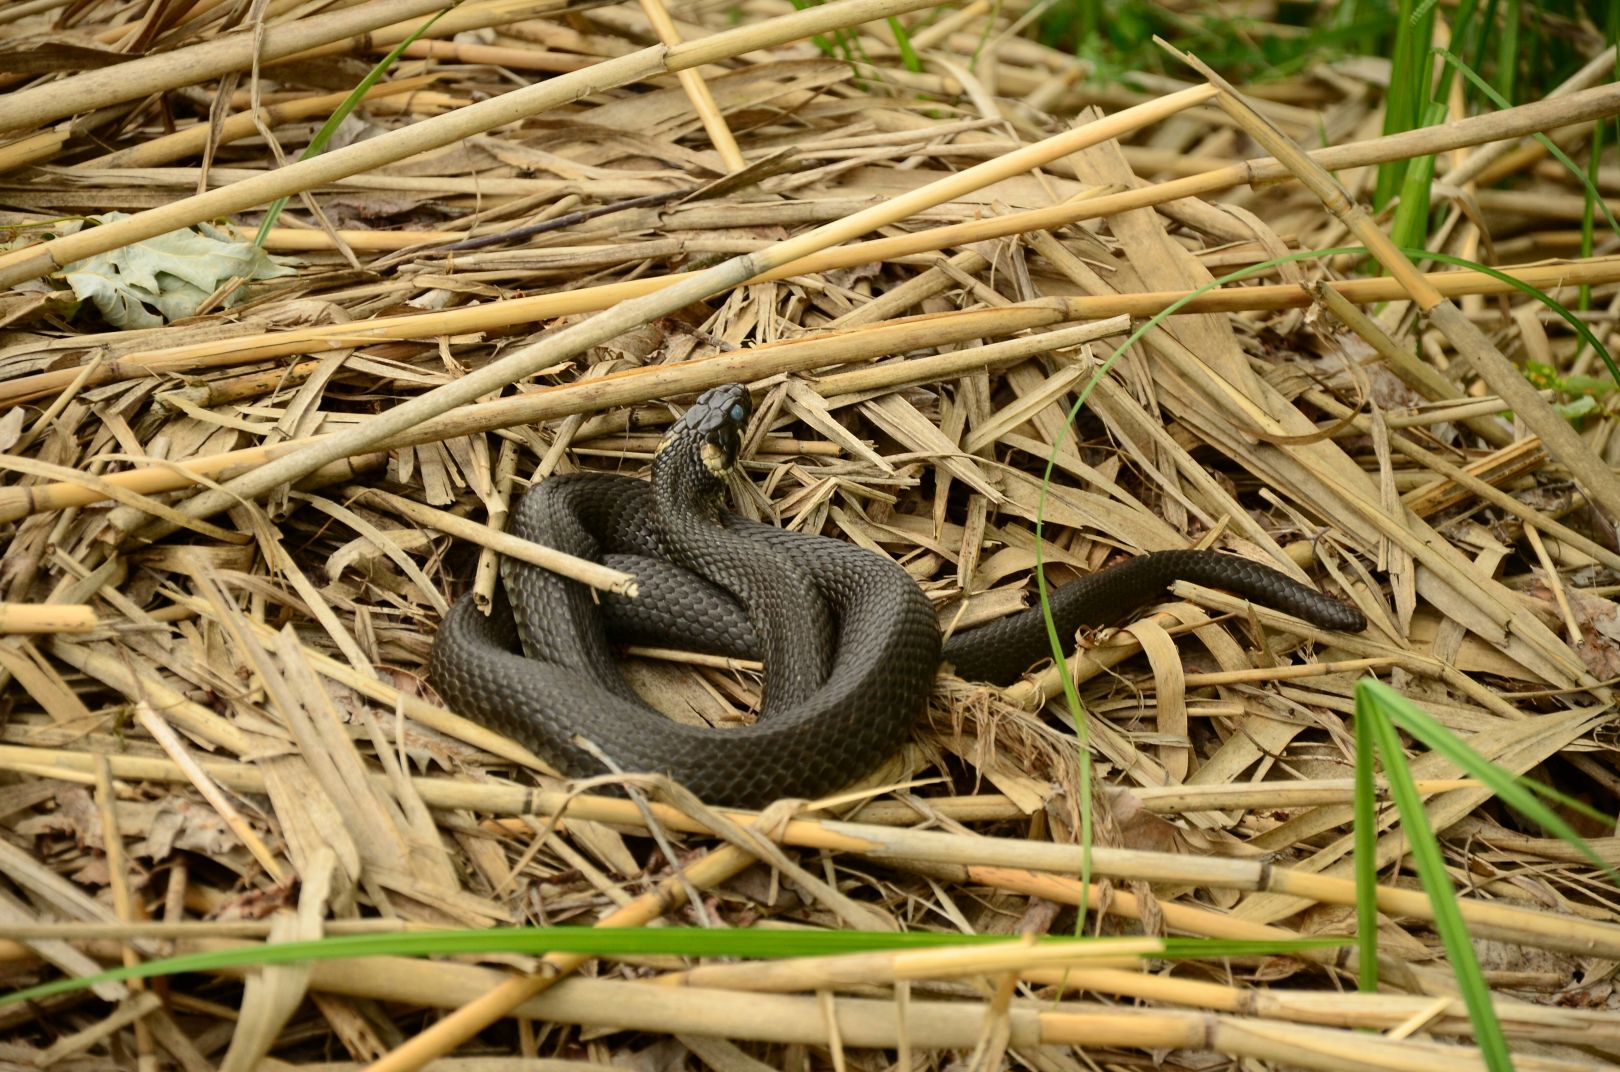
(850, 643)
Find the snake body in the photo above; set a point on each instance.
(850, 643)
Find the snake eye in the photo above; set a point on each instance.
(739, 413)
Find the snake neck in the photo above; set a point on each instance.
(788, 613)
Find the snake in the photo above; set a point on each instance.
(850, 643)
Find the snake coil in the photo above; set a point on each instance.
(850, 643)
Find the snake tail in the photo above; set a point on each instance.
(1000, 651)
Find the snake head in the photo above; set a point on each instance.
(714, 427)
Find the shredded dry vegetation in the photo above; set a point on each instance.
(229, 541)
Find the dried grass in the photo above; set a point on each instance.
(229, 542)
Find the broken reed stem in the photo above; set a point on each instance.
(697, 90)
(1092, 971)
(1521, 511)
(583, 570)
(624, 388)
(194, 139)
(1418, 375)
(1600, 102)
(1592, 271)
(169, 740)
(38, 260)
(36, 618)
(864, 969)
(1549, 930)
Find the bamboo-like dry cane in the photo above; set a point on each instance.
(582, 570)
(498, 1001)
(1379, 1011)
(624, 388)
(161, 71)
(33, 261)
(799, 355)
(193, 139)
(697, 90)
(36, 618)
(1472, 484)
(875, 1023)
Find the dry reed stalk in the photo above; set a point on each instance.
(518, 59)
(1473, 485)
(1418, 375)
(568, 342)
(126, 907)
(138, 683)
(867, 969)
(558, 401)
(1092, 973)
(175, 748)
(35, 261)
(1155, 459)
(32, 149)
(623, 388)
(125, 931)
(790, 252)
(33, 618)
(1471, 167)
(193, 139)
(287, 238)
(582, 570)
(697, 91)
(136, 78)
(1592, 271)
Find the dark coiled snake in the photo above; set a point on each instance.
(851, 646)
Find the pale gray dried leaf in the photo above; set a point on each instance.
(168, 277)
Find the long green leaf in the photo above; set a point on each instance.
(623, 941)
(328, 128)
(1376, 702)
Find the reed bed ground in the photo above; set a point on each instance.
(965, 256)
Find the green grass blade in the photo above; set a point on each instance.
(1365, 828)
(1411, 224)
(1408, 87)
(328, 128)
(1374, 701)
(628, 941)
(902, 40)
(1576, 324)
(1071, 694)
